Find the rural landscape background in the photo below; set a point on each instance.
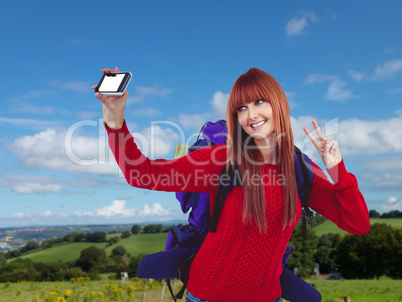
(85, 263)
(66, 212)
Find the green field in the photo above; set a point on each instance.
(142, 243)
(102, 291)
(136, 244)
(330, 227)
(65, 252)
(394, 222)
(359, 290)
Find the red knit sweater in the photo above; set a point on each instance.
(238, 263)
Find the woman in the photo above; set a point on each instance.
(242, 260)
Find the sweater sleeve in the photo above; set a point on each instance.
(198, 171)
(341, 202)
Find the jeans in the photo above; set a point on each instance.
(191, 298)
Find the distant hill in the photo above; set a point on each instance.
(136, 244)
(47, 232)
(330, 227)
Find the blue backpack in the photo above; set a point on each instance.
(183, 242)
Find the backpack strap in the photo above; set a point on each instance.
(304, 177)
(184, 272)
(171, 290)
(225, 186)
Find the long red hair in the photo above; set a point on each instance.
(255, 85)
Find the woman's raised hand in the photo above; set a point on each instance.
(327, 148)
(113, 105)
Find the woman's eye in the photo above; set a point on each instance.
(242, 108)
(259, 102)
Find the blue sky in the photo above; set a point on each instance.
(339, 62)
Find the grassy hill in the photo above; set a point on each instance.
(65, 252)
(141, 243)
(153, 243)
(330, 227)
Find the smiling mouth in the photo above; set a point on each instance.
(258, 125)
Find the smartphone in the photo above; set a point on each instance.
(114, 83)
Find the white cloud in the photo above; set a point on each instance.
(388, 69)
(360, 137)
(71, 85)
(194, 121)
(384, 71)
(72, 152)
(394, 91)
(141, 93)
(336, 89)
(155, 210)
(391, 199)
(33, 188)
(383, 173)
(146, 112)
(296, 25)
(32, 94)
(20, 215)
(33, 109)
(116, 212)
(356, 75)
(81, 213)
(30, 123)
(392, 204)
(47, 213)
(337, 92)
(319, 78)
(87, 115)
(290, 96)
(30, 184)
(37, 184)
(118, 209)
(158, 141)
(219, 104)
(55, 150)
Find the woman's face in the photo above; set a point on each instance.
(256, 120)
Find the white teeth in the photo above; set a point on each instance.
(258, 124)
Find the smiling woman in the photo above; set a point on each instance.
(257, 218)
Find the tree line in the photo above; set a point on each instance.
(373, 255)
(391, 214)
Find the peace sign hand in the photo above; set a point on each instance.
(327, 148)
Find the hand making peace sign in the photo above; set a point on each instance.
(327, 148)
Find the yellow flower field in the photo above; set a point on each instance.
(84, 290)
